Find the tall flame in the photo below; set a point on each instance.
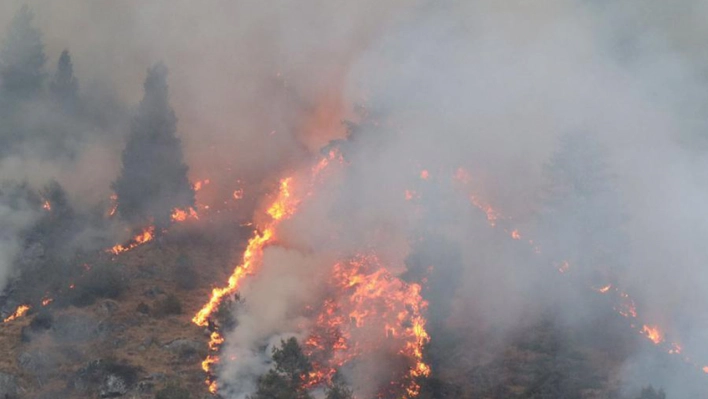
(284, 206)
(367, 296)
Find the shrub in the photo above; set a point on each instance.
(102, 281)
(143, 308)
(42, 321)
(172, 391)
(184, 274)
(170, 305)
(225, 314)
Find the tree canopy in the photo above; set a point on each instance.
(153, 180)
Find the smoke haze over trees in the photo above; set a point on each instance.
(153, 180)
(539, 168)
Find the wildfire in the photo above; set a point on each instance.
(198, 185)
(653, 333)
(180, 215)
(47, 206)
(47, 301)
(625, 306)
(283, 207)
(19, 312)
(146, 235)
(492, 214)
(114, 205)
(238, 194)
(367, 297)
(603, 290)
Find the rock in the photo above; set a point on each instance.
(113, 386)
(75, 328)
(148, 341)
(108, 378)
(156, 376)
(8, 386)
(145, 386)
(36, 362)
(153, 292)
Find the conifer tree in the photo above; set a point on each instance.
(64, 86)
(22, 58)
(153, 180)
(582, 217)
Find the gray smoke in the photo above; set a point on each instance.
(259, 87)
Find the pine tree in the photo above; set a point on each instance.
(287, 379)
(22, 58)
(582, 217)
(64, 86)
(651, 393)
(153, 180)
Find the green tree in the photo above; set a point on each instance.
(286, 380)
(339, 392)
(22, 57)
(582, 216)
(153, 179)
(64, 86)
(651, 393)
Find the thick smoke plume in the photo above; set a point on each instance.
(581, 123)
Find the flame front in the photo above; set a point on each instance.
(144, 236)
(19, 312)
(625, 305)
(284, 206)
(367, 297)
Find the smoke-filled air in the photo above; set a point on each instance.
(354, 199)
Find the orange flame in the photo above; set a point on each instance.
(180, 215)
(47, 205)
(198, 185)
(47, 301)
(626, 306)
(146, 235)
(19, 312)
(114, 205)
(492, 214)
(653, 333)
(283, 207)
(375, 301)
(604, 289)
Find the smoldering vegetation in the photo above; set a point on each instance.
(537, 169)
